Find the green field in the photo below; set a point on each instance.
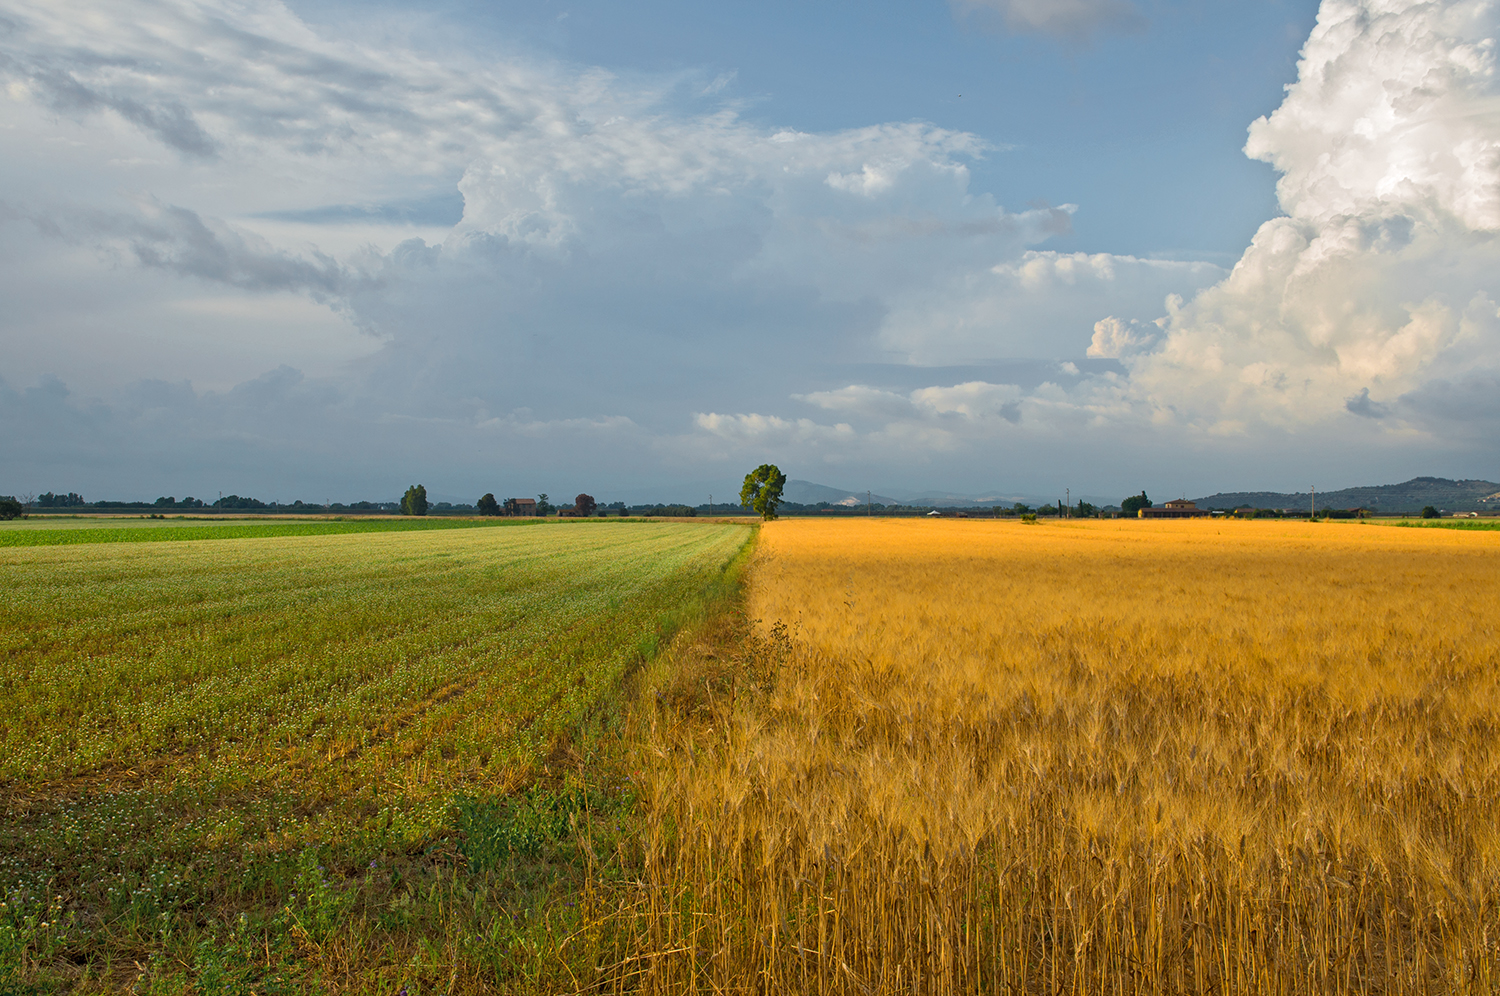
(66, 531)
(1481, 524)
(220, 757)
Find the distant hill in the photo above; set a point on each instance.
(1451, 496)
(808, 493)
(953, 499)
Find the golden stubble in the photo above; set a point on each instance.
(1115, 757)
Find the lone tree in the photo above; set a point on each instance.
(1430, 512)
(585, 505)
(488, 505)
(1135, 503)
(543, 506)
(10, 508)
(414, 502)
(762, 490)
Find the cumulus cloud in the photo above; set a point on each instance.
(1115, 337)
(1383, 274)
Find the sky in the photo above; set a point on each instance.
(322, 250)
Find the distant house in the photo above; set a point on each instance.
(520, 506)
(1178, 508)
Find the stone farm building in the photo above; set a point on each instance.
(1179, 508)
(520, 506)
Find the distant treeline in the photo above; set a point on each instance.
(236, 503)
(233, 503)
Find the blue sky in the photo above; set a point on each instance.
(320, 250)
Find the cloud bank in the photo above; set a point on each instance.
(1367, 311)
(241, 253)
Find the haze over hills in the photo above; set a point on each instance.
(810, 493)
(1410, 496)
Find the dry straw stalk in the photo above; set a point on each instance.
(1090, 758)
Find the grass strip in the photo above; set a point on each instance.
(257, 530)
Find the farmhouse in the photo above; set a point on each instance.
(1179, 508)
(520, 506)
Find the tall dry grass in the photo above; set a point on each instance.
(1105, 757)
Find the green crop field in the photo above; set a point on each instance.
(229, 759)
(68, 531)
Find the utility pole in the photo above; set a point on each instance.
(1068, 501)
(1312, 502)
(869, 505)
(710, 506)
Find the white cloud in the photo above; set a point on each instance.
(614, 266)
(772, 430)
(1369, 310)
(1383, 275)
(1039, 304)
(1115, 337)
(859, 399)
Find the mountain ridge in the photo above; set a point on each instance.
(1465, 495)
(1409, 496)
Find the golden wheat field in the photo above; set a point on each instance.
(1090, 757)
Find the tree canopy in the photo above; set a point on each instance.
(584, 505)
(762, 490)
(1135, 503)
(9, 507)
(414, 502)
(487, 505)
